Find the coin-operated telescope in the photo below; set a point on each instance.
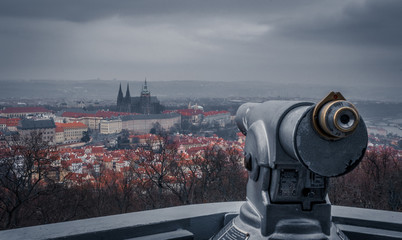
(291, 150)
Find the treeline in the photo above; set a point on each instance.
(35, 187)
(375, 183)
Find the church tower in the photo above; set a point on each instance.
(127, 100)
(144, 104)
(120, 100)
(145, 99)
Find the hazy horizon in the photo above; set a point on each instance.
(107, 90)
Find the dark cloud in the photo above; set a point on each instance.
(370, 22)
(378, 22)
(233, 40)
(87, 10)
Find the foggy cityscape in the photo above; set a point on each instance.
(110, 108)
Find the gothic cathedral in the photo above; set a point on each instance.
(144, 104)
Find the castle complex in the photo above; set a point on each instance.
(144, 104)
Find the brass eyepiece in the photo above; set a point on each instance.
(334, 117)
(346, 119)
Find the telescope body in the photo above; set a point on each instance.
(291, 150)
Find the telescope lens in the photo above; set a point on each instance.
(338, 118)
(345, 119)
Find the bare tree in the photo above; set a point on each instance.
(182, 179)
(375, 183)
(26, 174)
(222, 176)
(152, 169)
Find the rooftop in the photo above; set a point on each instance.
(36, 124)
(100, 114)
(71, 125)
(150, 116)
(25, 110)
(185, 112)
(211, 113)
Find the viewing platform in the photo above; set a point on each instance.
(200, 221)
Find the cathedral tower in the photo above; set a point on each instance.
(144, 104)
(127, 100)
(120, 100)
(145, 99)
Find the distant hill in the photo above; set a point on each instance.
(107, 90)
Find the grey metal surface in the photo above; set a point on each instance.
(179, 234)
(370, 218)
(369, 224)
(289, 161)
(355, 232)
(329, 158)
(203, 220)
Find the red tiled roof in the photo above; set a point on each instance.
(75, 160)
(12, 122)
(214, 113)
(76, 177)
(146, 136)
(109, 114)
(59, 129)
(25, 110)
(239, 134)
(97, 150)
(71, 125)
(185, 112)
(102, 114)
(80, 150)
(195, 150)
(65, 150)
(77, 115)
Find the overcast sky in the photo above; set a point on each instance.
(318, 41)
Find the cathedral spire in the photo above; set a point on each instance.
(127, 100)
(145, 90)
(120, 98)
(128, 92)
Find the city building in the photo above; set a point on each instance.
(195, 115)
(12, 123)
(89, 119)
(8, 138)
(72, 132)
(9, 124)
(3, 123)
(46, 127)
(92, 120)
(141, 124)
(188, 116)
(59, 135)
(110, 126)
(11, 112)
(220, 118)
(144, 104)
